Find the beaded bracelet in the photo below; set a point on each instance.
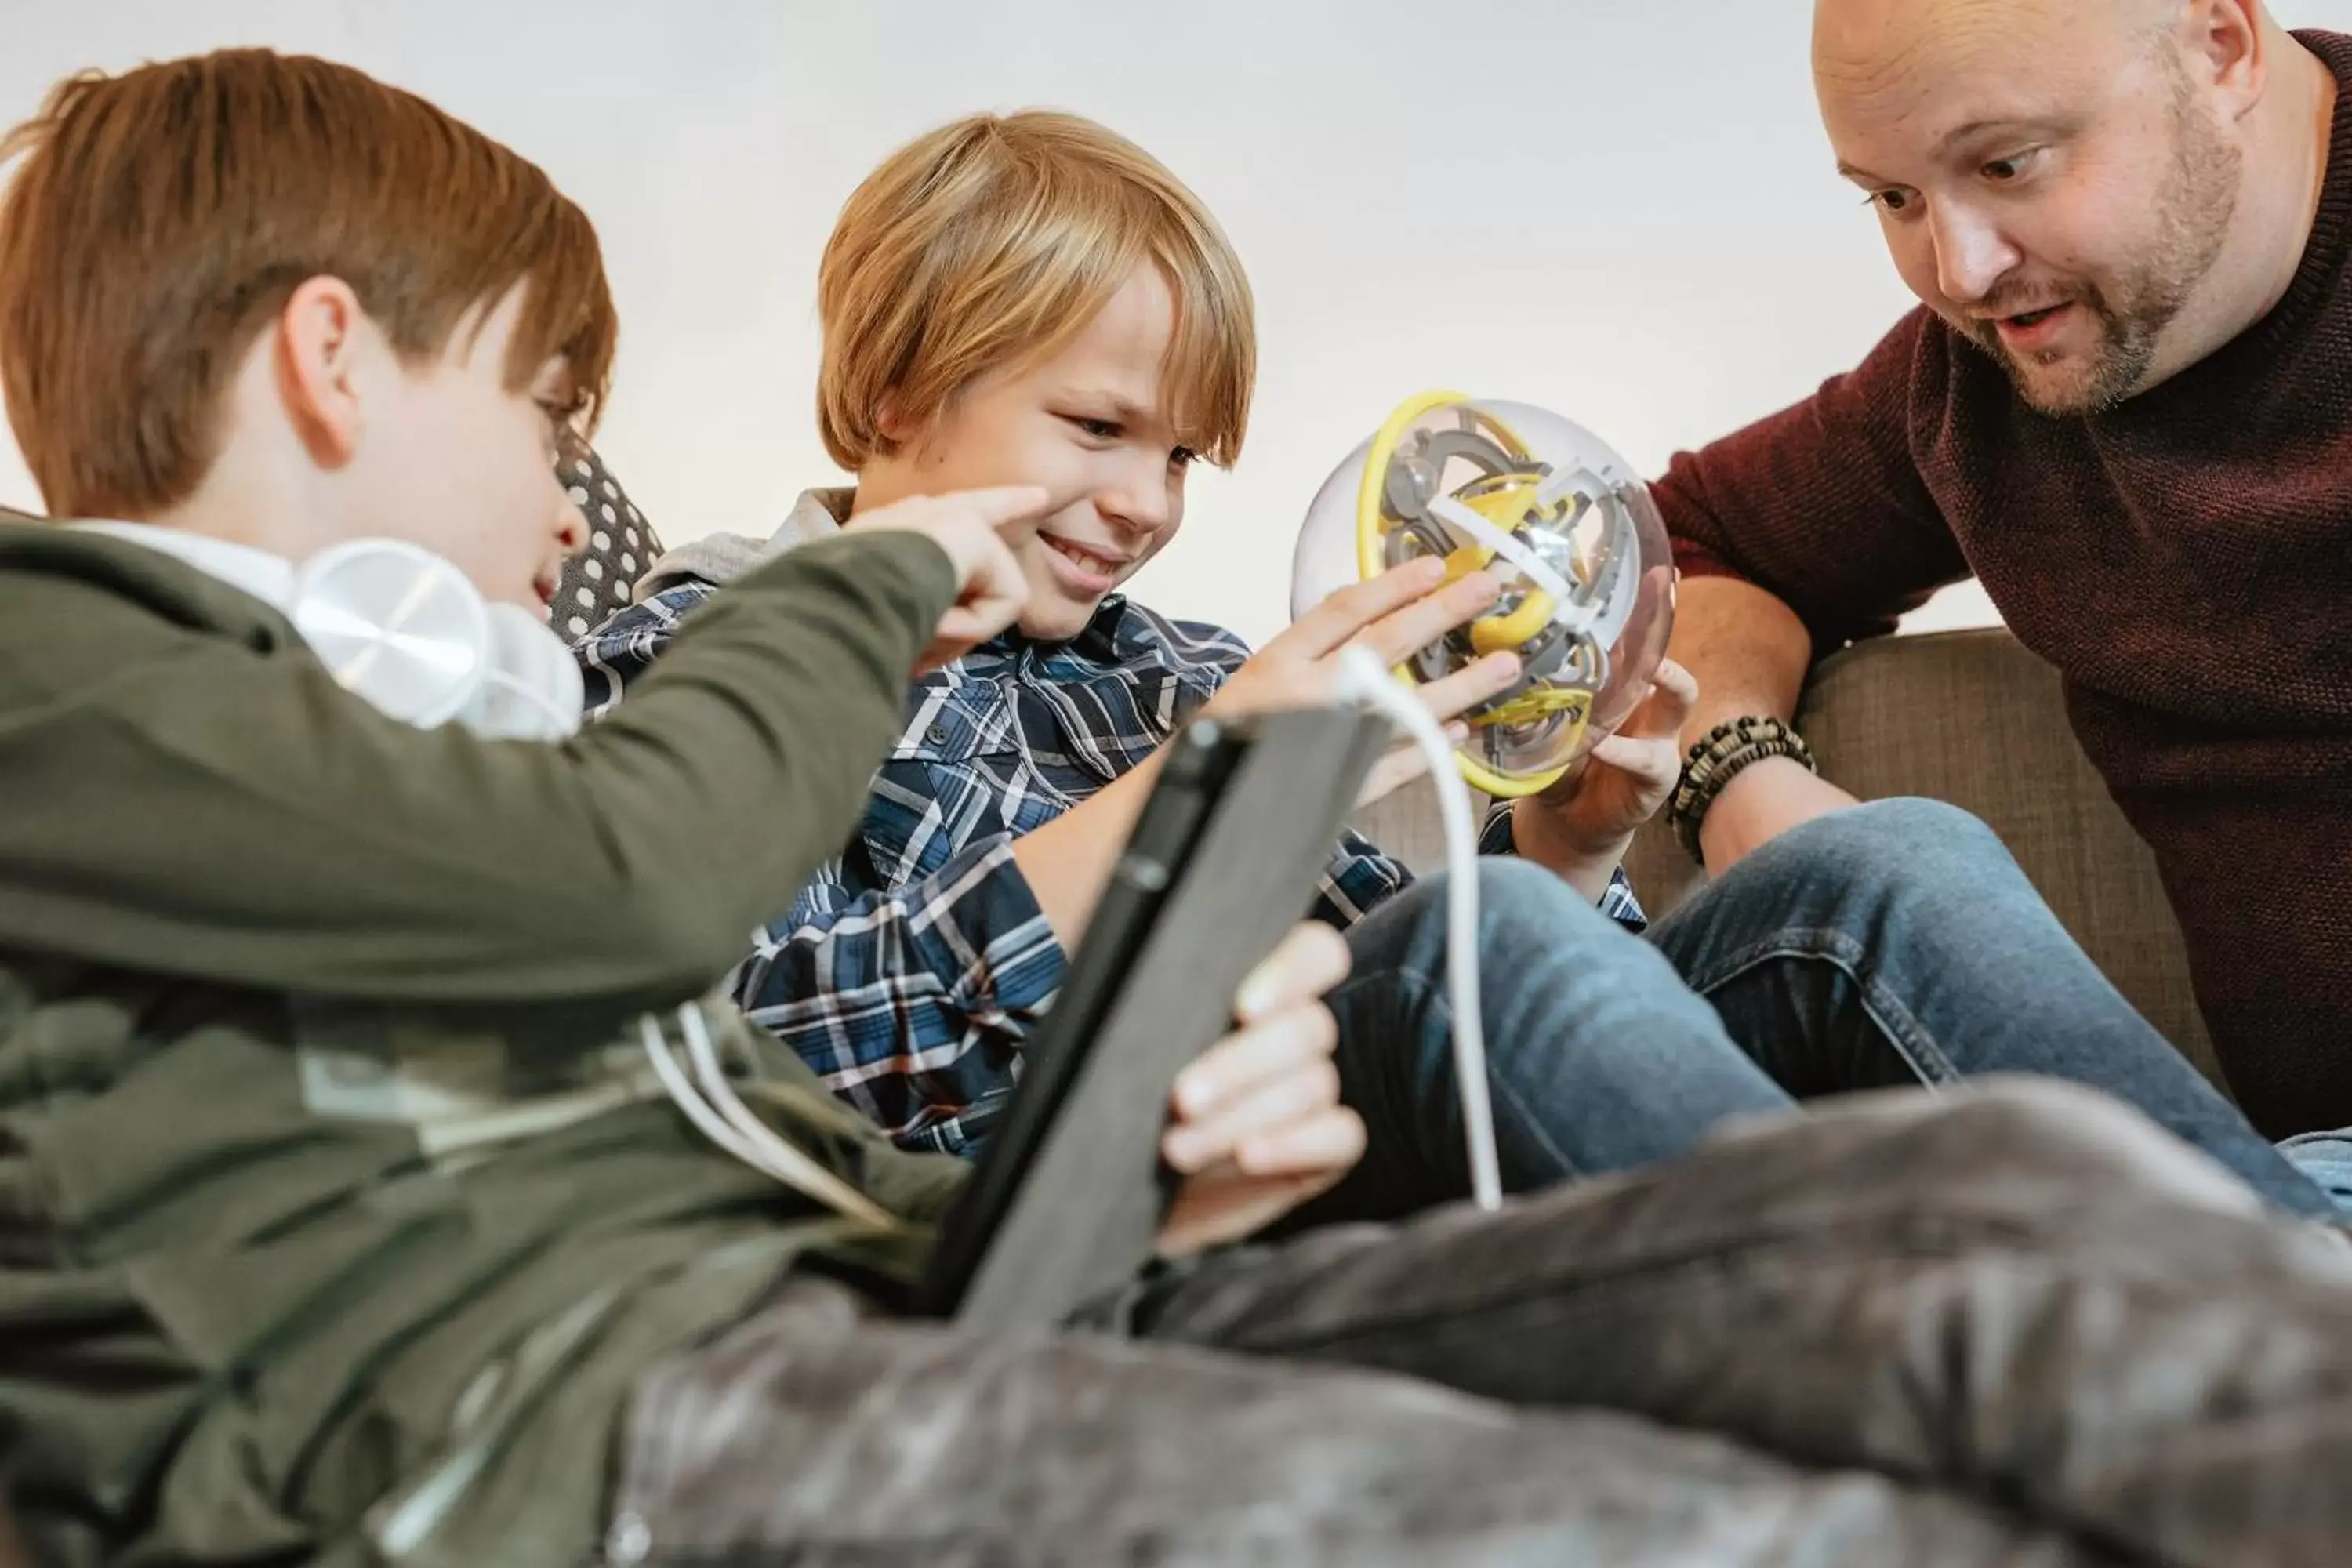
(1729, 748)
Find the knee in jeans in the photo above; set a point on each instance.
(1521, 895)
(1527, 918)
(1903, 839)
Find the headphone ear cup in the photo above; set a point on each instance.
(535, 691)
(397, 625)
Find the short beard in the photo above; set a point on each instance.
(2192, 221)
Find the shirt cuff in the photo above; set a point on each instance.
(1618, 903)
(1494, 836)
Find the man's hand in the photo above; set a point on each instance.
(1258, 1128)
(970, 525)
(1582, 826)
(1392, 616)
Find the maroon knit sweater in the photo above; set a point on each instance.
(2185, 560)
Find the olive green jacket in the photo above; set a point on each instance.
(339, 1207)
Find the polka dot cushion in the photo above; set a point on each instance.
(621, 545)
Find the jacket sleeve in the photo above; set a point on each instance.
(179, 801)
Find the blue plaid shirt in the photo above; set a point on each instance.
(911, 972)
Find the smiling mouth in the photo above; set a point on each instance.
(1084, 559)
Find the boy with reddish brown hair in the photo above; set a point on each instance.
(183, 261)
(341, 1211)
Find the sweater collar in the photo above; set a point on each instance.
(2318, 277)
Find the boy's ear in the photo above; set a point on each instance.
(323, 341)
(891, 421)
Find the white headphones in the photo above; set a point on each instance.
(402, 628)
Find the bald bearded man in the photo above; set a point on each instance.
(2123, 406)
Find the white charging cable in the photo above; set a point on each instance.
(713, 1107)
(1363, 681)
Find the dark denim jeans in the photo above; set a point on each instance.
(2012, 1324)
(1893, 944)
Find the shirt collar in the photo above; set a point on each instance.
(267, 578)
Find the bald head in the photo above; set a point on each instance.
(1862, 44)
(2062, 180)
(1846, 22)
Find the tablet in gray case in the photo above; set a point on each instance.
(1070, 1192)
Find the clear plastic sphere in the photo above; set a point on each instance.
(1542, 503)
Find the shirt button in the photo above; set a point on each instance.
(936, 734)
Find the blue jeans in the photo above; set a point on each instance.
(1892, 943)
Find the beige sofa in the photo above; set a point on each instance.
(1973, 719)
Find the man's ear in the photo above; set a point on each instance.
(2227, 36)
(324, 341)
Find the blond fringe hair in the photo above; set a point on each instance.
(987, 243)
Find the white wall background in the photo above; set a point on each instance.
(1623, 209)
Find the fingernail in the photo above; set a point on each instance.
(1177, 1149)
(1253, 997)
(1257, 991)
